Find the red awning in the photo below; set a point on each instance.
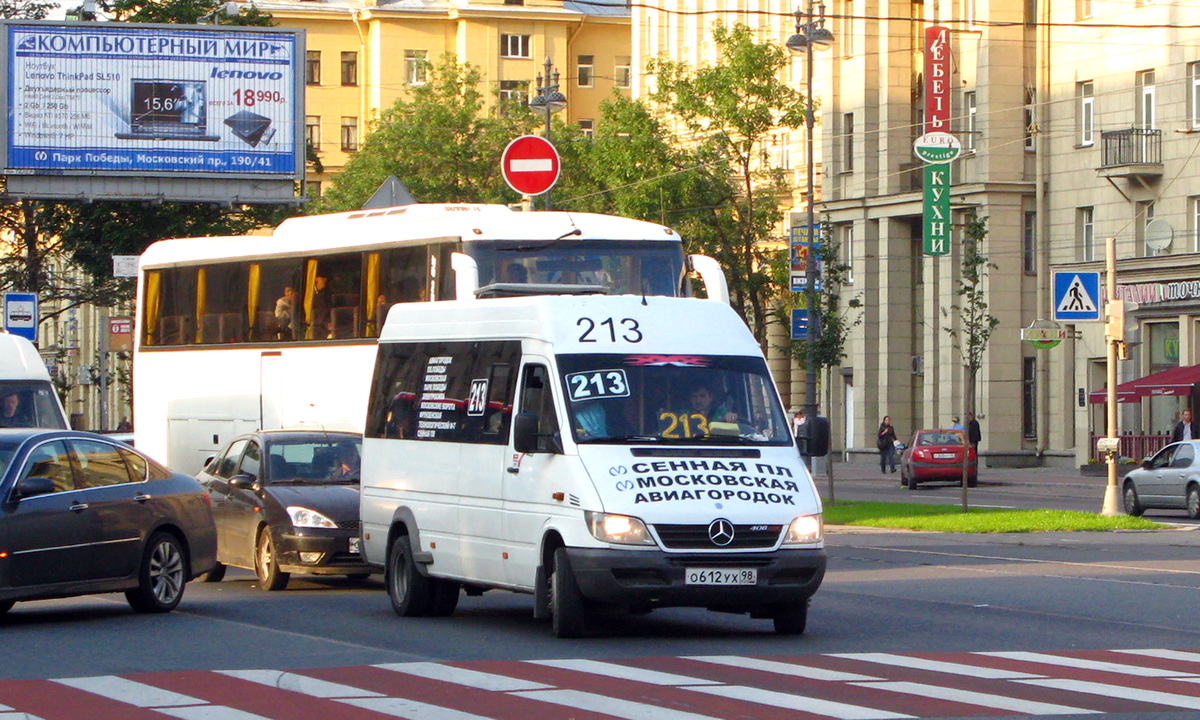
(1176, 381)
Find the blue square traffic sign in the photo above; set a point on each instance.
(1077, 296)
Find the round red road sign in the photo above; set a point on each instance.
(530, 165)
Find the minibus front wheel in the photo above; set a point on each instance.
(411, 592)
(568, 607)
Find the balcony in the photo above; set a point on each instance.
(1134, 153)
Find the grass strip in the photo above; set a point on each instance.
(950, 518)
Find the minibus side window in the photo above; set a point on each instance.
(537, 398)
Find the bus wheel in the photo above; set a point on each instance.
(411, 592)
(791, 619)
(568, 608)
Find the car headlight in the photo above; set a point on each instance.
(303, 517)
(805, 530)
(620, 529)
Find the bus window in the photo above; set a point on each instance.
(334, 305)
(277, 299)
(221, 303)
(170, 317)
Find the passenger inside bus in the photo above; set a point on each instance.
(319, 322)
(516, 273)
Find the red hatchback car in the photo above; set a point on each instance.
(937, 455)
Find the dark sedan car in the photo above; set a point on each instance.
(937, 455)
(81, 514)
(286, 501)
(1169, 480)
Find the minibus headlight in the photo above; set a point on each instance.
(302, 517)
(620, 529)
(805, 530)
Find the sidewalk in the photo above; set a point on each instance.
(1040, 476)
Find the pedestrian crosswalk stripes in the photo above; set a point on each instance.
(845, 686)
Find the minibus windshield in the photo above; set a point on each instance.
(620, 267)
(672, 399)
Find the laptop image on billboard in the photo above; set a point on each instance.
(168, 110)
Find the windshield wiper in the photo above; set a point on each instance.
(621, 439)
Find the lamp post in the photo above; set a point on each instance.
(810, 34)
(549, 99)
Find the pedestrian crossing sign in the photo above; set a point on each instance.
(1077, 296)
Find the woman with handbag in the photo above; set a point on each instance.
(887, 445)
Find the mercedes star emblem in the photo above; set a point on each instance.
(720, 531)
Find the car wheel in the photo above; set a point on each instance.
(217, 574)
(1133, 506)
(791, 619)
(568, 608)
(411, 592)
(445, 598)
(972, 481)
(1193, 502)
(903, 477)
(912, 483)
(266, 563)
(161, 577)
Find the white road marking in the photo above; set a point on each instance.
(463, 676)
(1116, 691)
(610, 705)
(1165, 654)
(300, 683)
(1084, 664)
(781, 668)
(211, 712)
(411, 709)
(1000, 702)
(916, 663)
(128, 691)
(800, 702)
(624, 672)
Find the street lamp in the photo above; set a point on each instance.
(810, 34)
(549, 99)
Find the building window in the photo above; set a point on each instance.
(622, 71)
(1145, 213)
(1083, 9)
(847, 251)
(1029, 397)
(312, 67)
(971, 100)
(514, 2)
(514, 46)
(1085, 229)
(848, 142)
(585, 69)
(349, 68)
(1193, 70)
(1085, 119)
(846, 37)
(349, 134)
(514, 91)
(1030, 120)
(1029, 243)
(312, 132)
(1194, 221)
(1145, 107)
(416, 66)
(588, 127)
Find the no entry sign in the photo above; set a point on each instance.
(530, 165)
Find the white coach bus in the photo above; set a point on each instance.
(240, 333)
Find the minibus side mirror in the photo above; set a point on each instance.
(525, 426)
(818, 436)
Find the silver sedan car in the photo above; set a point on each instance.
(1170, 480)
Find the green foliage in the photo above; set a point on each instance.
(184, 12)
(733, 110)
(970, 337)
(946, 518)
(438, 141)
(25, 9)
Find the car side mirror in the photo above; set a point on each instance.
(31, 486)
(242, 482)
(1146, 464)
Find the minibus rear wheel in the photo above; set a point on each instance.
(411, 592)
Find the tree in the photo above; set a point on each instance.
(971, 335)
(733, 111)
(184, 12)
(25, 9)
(438, 141)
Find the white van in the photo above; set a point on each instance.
(592, 450)
(27, 397)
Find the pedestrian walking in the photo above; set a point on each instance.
(974, 435)
(887, 445)
(1184, 430)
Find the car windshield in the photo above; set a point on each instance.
(328, 460)
(672, 399)
(29, 404)
(619, 267)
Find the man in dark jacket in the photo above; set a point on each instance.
(973, 433)
(1183, 429)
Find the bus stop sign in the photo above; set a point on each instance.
(21, 315)
(530, 165)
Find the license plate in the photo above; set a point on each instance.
(943, 456)
(355, 545)
(721, 576)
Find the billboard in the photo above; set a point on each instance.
(144, 100)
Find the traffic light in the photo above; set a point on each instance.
(1114, 327)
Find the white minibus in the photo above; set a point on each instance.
(27, 397)
(625, 451)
